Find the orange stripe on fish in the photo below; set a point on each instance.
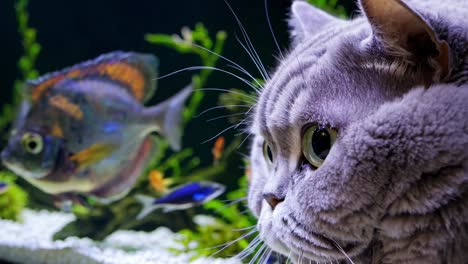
(93, 154)
(120, 72)
(125, 74)
(57, 131)
(42, 87)
(62, 103)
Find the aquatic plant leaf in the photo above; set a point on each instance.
(26, 63)
(330, 6)
(13, 200)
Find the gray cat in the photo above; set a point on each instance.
(360, 150)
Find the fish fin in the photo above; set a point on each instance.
(92, 154)
(135, 72)
(168, 117)
(148, 205)
(113, 198)
(21, 113)
(167, 210)
(118, 187)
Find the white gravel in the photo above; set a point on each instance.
(31, 242)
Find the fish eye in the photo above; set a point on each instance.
(317, 142)
(32, 143)
(267, 152)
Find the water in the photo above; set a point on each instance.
(45, 225)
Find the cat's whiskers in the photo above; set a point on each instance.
(224, 116)
(300, 257)
(288, 258)
(253, 53)
(195, 68)
(258, 254)
(270, 251)
(244, 140)
(224, 130)
(228, 244)
(267, 256)
(229, 91)
(264, 256)
(234, 64)
(259, 65)
(218, 107)
(243, 100)
(235, 126)
(250, 248)
(233, 202)
(271, 29)
(244, 211)
(342, 250)
(230, 127)
(243, 121)
(245, 156)
(246, 120)
(257, 86)
(245, 228)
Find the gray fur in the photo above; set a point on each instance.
(394, 187)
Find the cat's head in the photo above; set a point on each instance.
(315, 187)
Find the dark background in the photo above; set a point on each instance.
(73, 31)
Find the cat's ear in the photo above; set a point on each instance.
(405, 34)
(306, 19)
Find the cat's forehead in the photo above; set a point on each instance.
(328, 80)
(304, 89)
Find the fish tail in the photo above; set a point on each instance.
(167, 116)
(148, 205)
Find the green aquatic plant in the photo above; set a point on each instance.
(174, 167)
(13, 199)
(27, 69)
(330, 6)
(221, 235)
(26, 63)
(230, 100)
(197, 42)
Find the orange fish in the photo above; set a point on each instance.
(218, 149)
(157, 181)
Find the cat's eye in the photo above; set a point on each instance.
(317, 142)
(267, 152)
(32, 143)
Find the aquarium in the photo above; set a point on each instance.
(265, 131)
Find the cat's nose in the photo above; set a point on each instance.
(272, 199)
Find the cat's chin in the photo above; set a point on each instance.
(285, 235)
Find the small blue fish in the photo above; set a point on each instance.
(3, 187)
(183, 197)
